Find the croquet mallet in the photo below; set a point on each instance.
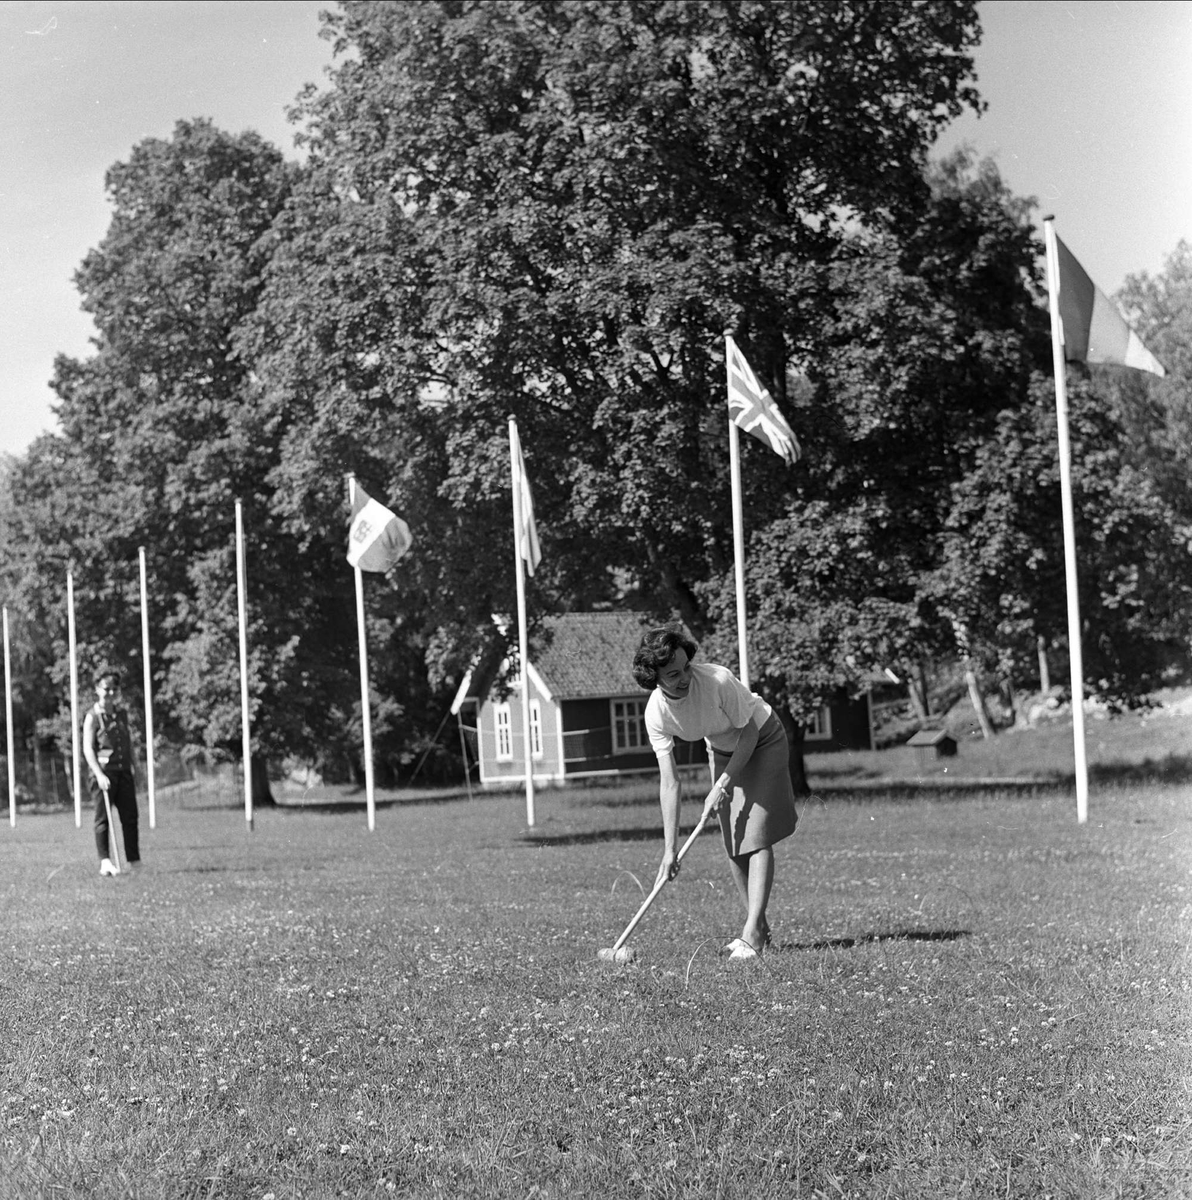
(112, 850)
(620, 953)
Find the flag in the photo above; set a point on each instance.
(1093, 329)
(377, 538)
(527, 536)
(751, 407)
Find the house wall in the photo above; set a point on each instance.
(493, 771)
(852, 727)
(577, 740)
(588, 742)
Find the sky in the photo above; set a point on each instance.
(1089, 111)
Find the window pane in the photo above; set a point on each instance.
(535, 729)
(504, 733)
(629, 728)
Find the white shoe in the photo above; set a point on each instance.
(107, 867)
(740, 948)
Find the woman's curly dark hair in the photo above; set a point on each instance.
(657, 648)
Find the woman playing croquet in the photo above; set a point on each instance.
(749, 750)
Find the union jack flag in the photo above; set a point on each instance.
(752, 408)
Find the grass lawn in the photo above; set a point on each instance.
(1147, 745)
(969, 995)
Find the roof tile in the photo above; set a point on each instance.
(589, 655)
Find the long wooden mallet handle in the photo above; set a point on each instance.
(115, 853)
(637, 916)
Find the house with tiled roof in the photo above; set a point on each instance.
(587, 711)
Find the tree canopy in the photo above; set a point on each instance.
(160, 436)
(556, 211)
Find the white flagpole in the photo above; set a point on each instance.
(1075, 661)
(522, 635)
(148, 695)
(242, 608)
(734, 458)
(365, 707)
(12, 754)
(76, 777)
(463, 747)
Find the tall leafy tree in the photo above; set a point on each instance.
(1132, 434)
(1157, 413)
(554, 210)
(929, 332)
(159, 437)
(1002, 571)
(62, 515)
(1001, 577)
(31, 648)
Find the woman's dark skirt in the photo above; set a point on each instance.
(762, 810)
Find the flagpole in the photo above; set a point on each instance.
(734, 459)
(76, 776)
(12, 754)
(148, 695)
(522, 635)
(365, 707)
(1075, 661)
(242, 607)
(463, 747)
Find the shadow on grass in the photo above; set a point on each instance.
(844, 775)
(902, 935)
(1172, 768)
(353, 803)
(930, 789)
(209, 869)
(651, 834)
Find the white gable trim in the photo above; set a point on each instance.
(537, 681)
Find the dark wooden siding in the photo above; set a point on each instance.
(850, 727)
(588, 742)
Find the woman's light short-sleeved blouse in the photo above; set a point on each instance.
(716, 708)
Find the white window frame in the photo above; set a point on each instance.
(536, 729)
(620, 722)
(503, 729)
(819, 728)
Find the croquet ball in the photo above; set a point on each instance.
(626, 954)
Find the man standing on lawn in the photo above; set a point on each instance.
(108, 749)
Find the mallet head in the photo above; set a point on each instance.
(626, 954)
